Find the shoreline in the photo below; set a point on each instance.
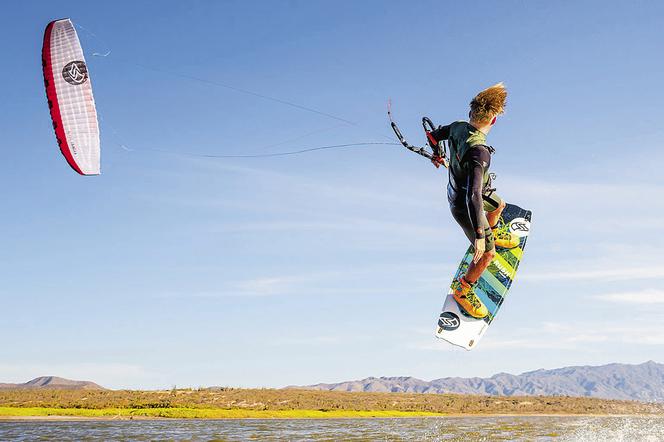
(12, 414)
(294, 404)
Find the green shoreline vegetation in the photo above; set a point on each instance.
(232, 403)
(205, 413)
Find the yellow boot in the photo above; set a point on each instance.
(504, 238)
(467, 299)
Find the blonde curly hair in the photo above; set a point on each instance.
(488, 103)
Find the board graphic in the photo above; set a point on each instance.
(454, 324)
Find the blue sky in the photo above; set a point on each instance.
(178, 270)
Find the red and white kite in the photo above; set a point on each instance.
(70, 99)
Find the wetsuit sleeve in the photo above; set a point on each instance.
(442, 133)
(478, 159)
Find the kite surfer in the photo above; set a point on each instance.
(475, 206)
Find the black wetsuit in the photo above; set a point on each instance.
(468, 190)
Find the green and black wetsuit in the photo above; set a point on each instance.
(468, 190)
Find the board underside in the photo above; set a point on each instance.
(454, 324)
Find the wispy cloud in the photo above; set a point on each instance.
(259, 286)
(645, 297)
(525, 343)
(371, 279)
(640, 330)
(267, 286)
(567, 336)
(604, 274)
(341, 224)
(434, 344)
(307, 340)
(401, 190)
(601, 191)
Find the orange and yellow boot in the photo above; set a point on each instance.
(504, 238)
(465, 296)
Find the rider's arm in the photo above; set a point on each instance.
(477, 160)
(434, 138)
(442, 133)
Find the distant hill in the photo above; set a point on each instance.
(643, 382)
(53, 382)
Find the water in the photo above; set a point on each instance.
(602, 429)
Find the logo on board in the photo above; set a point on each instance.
(520, 227)
(448, 321)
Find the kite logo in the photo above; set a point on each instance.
(520, 227)
(448, 321)
(75, 72)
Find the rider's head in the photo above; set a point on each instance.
(487, 105)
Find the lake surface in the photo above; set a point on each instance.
(425, 429)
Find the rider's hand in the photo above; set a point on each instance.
(479, 249)
(437, 161)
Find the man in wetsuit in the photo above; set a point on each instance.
(474, 205)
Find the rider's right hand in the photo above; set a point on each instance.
(479, 249)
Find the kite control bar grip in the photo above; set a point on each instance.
(439, 155)
(427, 124)
(418, 150)
(397, 132)
(434, 157)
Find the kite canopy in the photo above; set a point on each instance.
(69, 93)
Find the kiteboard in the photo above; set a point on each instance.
(454, 324)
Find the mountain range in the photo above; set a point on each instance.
(53, 382)
(642, 382)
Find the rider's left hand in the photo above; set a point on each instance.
(438, 161)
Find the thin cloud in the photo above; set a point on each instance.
(645, 297)
(370, 280)
(340, 224)
(268, 286)
(604, 274)
(643, 331)
(306, 340)
(601, 192)
(572, 337)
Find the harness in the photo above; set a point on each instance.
(487, 190)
